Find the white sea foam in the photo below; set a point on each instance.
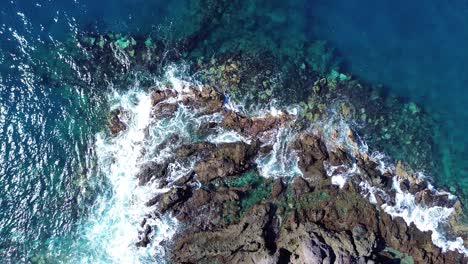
(231, 105)
(275, 112)
(179, 85)
(369, 191)
(424, 218)
(114, 228)
(437, 192)
(341, 174)
(282, 161)
(228, 137)
(338, 180)
(381, 159)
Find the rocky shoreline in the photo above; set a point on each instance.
(231, 212)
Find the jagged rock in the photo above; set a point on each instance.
(339, 157)
(300, 187)
(206, 100)
(151, 170)
(312, 152)
(312, 251)
(202, 149)
(115, 123)
(226, 160)
(169, 199)
(418, 187)
(278, 188)
(144, 236)
(311, 145)
(252, 126)
(223, 210)
(428, 198)
(164, 110)
(158, 96)
(240, 243)
(372, 171)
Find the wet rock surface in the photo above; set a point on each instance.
(229, 213)
(115, 121)
(226, 160)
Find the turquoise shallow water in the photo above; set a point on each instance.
(53, 104)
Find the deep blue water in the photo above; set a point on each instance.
(51, 108)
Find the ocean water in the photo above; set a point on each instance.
(415, 50)
(61, 197)
(51, 110)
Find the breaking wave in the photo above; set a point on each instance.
(115, 226)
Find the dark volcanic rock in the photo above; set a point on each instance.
(115, 123)
(230, 214)
(226, 160)
(300, 187)
(164, 110)
(240, 243)
(312, 152)
(144, 236)
(167, 200)
(252, 126)
(202, 149)
(278, 188)
(151, 170)
(307, 224)
(206, 100)
(158, 96)
(194, 211)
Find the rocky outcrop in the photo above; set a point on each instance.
(231, 214)
(159, 95)
(253, 126)
(115, 121)
(150, 171)
(205, 101)
(226, 160)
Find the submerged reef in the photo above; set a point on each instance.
(232, 205)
